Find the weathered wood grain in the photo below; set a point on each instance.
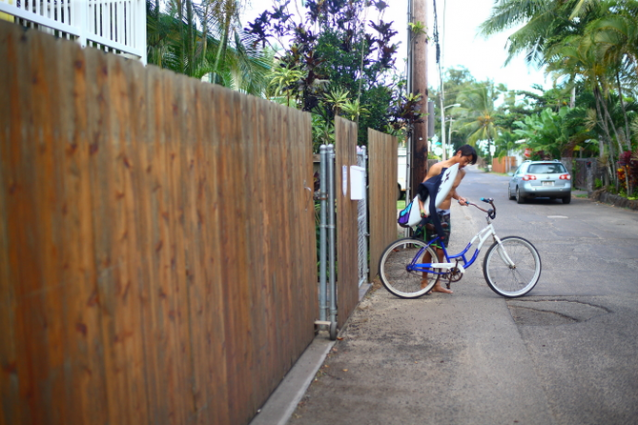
(382, 154)
(157, 241)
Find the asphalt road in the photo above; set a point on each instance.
(567, 353)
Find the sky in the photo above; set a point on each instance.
(484, 58)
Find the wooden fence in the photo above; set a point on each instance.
(157, 242)
(504, 164)
(382, 153)
(347, 225)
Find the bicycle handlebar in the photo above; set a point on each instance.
(491, 213)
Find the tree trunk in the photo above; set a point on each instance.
(419, 84)
(605, 128)
(624, 112)
(222, 48)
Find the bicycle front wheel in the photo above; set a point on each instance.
(396, 274)
(518, 277)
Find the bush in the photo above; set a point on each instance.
(628, 173)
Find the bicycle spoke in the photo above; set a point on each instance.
(512, 280)
(395, 274)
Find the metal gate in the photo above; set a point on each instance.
(328, 303)
(362, 221)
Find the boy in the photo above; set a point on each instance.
(464, 155)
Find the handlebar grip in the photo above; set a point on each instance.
(487, 200)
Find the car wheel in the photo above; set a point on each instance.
(509, 194)
(567, 199)
(519, 198)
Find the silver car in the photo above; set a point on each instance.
(541, 179)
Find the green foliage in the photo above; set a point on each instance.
(591, 47)
(200, 38)
(339, 64)
(417, 28)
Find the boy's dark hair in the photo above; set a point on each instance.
(467, 150)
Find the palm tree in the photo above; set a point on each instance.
(593, 41)
(479, 113)
(616, 38)
(176, 42)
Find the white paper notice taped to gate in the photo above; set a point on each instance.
(344, 179)
(357, 183)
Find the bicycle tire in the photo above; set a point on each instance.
(394, 273)
(516, 281)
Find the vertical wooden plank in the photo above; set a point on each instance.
(139, 149)
(11, 376)
(151, 201)
(84, 378)
(42, 306)
(190, 240)
(286, 217)
(254, 249)
(347, 288)
(177, 369)
(228, 213)
(195, 255)
(103, 217)
(309, 264)
(267, 133)
(279, 237)
(131, 337)
(194, 245)
(235, 278)
(115, 237)
(179, 316)
(383, 168)
(215, 355)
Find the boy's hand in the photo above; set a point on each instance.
(462, 201)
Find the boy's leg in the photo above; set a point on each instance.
(427, 258)
(447, 227)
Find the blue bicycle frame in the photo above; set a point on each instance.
(443, 268)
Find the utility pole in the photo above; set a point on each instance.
(418, 83)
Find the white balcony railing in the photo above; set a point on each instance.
(118, 26)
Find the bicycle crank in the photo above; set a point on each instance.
(454, 275)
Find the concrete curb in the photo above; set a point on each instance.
(284, 400)
(282, 403)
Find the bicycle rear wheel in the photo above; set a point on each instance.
(394, 268)
(515, 280)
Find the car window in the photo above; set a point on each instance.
(546, 168)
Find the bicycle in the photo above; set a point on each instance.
(511, 267)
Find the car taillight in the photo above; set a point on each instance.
(565, 177)
(528, 177)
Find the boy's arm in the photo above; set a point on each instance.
(457, 182)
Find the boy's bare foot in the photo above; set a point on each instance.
(424, 283)
(439, 288)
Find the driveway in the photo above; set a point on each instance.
(567, 353)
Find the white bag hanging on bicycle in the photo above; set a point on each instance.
(410, 215)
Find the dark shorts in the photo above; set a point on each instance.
(430, 230)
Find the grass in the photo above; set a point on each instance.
(401, 204)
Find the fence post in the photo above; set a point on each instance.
(139, 28)
(80, 19)
(332, 239)
(362, 219)
(323, 151)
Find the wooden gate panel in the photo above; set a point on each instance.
(382, 189)
(347, 233)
